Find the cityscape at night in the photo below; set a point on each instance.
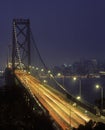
(52, 65)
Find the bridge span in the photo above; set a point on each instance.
(59, 107)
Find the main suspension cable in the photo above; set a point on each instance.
(35, 46)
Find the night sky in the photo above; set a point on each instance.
(65, 30)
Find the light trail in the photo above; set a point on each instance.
(62, 111)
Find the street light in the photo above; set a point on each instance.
(75, 78)
(45, 81)
(78, 97)
(42, 70)
(37, 68)
(101, 88)
(61, 76)
(49, 71)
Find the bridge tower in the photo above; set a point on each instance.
(21, 44)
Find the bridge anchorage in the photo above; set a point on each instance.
(58, 105)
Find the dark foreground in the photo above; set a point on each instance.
(15, 114)
(91, 125)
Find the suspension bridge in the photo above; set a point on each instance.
(30, 70)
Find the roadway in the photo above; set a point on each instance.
(62, 111)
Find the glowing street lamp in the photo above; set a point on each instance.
(37, 68)
(29, 72)
(59, 74)
(30, 66)
(101, 88)
(63, 78)
(49, 71)
(33, 67)
(75, 78)
(42, 70)
(45, 81)
(51, 76)
(78, 97)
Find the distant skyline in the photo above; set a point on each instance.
(65, 30)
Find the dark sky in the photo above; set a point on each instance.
(65, 30)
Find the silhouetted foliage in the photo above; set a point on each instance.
(91, 125)
(15, 114)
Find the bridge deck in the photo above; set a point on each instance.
(62, 111)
